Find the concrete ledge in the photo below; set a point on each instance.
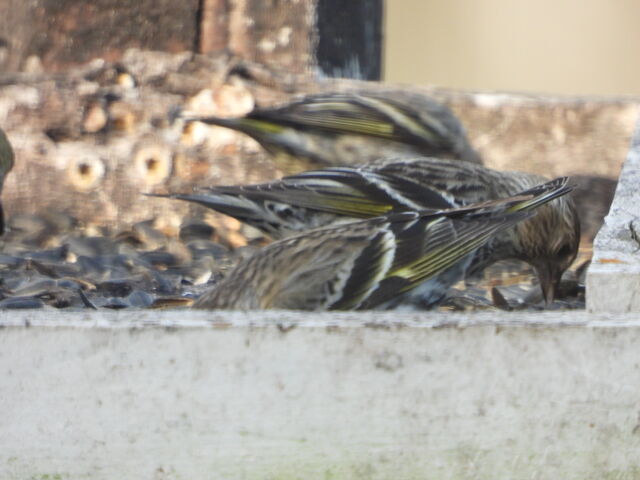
(283, 395)
(613, 279)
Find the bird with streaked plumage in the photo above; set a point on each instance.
(349, 128)
(6, 164)
(548, 242)
(411, 258)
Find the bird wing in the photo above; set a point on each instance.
(434, 242)
(339, 113)
(431, 245)
(360, 265)
(364, 113)
(346, 264)
(540, 194)
(343, 191)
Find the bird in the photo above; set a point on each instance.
(349, 128)
(548, 242)
(6, 164)
(371, 264)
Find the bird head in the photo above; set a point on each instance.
(549, 242)
(6, 156)
(6, 164)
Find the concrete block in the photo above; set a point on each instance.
(286, 395)
(613, 278)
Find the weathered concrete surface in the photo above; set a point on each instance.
(613, 279)
(197, 395)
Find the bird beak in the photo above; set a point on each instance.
(549, 279)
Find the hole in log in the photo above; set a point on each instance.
(84, 169)
(153, 163)
(85, 173)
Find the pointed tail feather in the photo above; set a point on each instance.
(231, 205)
(524, 201)
(543, 193)
(249, 126)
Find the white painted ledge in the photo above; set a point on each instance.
(613, 278)
(286, 395)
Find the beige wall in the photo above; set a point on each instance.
(556, 46)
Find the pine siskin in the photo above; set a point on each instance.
(330, 129)
(372, 263)
(548, 242)
(6, 164)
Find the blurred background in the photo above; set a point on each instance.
(87, 89)
(89, 95)
(574, 47)
(584, 47)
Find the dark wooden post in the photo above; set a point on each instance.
(350, 38)
(341, 38)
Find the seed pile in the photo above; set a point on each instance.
(53, 261)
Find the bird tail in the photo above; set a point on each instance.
(525, 201)
(543, 193)
(261, 215)
(252, 127)
(233, 206)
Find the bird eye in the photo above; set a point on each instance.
(286, 213)
(565, 250)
